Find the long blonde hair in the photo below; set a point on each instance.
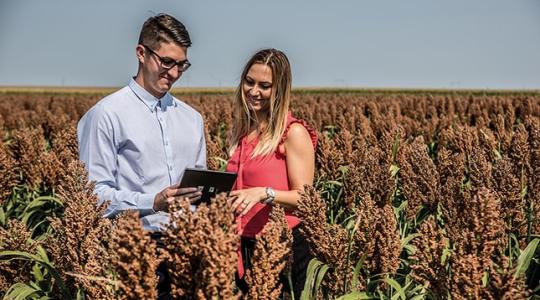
(279, 103)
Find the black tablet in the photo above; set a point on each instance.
(210, 183)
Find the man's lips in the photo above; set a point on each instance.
(167, 81)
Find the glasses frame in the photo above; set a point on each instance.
(183, 65)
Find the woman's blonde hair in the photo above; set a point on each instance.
(279, 103)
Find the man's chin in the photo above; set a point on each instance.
(164, 87)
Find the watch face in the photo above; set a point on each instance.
(270, 195)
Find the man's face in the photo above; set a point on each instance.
(158, 80)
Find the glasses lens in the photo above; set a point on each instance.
(185, 66)
(167, 63)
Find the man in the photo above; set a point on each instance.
(137, 141)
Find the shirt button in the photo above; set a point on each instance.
(170, 168)
(166, 143)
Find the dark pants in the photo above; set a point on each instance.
(301, 258)
(164, 279)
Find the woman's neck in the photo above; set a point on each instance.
(260, 122)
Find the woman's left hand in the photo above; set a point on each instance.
(243, 200)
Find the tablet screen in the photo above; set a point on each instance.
(210, 183)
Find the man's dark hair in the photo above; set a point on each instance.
(163, 28)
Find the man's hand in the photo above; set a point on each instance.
(169, 194)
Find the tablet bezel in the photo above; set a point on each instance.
(229, 178)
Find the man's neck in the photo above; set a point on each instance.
(139, 79)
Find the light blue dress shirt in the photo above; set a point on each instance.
(134, 145)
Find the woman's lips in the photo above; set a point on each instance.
(254, 101)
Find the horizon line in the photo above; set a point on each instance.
(206, 89)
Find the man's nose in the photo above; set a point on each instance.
(174, 71)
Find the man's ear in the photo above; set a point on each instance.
(139, 52)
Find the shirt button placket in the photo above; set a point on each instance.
(166, 144)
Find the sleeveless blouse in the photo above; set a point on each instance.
(262, 171)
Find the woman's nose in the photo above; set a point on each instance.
(254, 91)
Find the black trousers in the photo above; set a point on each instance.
(164, 279)
(301, 258)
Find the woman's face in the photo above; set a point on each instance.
(258, 87)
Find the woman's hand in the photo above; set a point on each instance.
(243, 200)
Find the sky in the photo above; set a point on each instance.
(481, 44)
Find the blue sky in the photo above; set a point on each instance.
(492, 44)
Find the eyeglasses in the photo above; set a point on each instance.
(168, 63)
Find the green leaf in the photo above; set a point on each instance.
(80, 294)
(410, 249)
(355, 296)
(21, 255)
(497, 154)
(408, 239)
(310, 279)
(41, 253)
(357, 268)
(485, 279)
(2, 217)
(395, 146)
(351, 224)
(334, 183)
(400, 208)
(40, 201)
(524, 192)
(394, 169)
(446, 253)
(36, 272)
(397, 287)
(343, 169)
(524, 259)
(314, 275)
(320, 275)
(36, 207)
(221, 162)
(20, 291)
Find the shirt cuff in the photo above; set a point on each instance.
(146, 204)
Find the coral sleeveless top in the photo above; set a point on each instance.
(262, 171)
(267, 171)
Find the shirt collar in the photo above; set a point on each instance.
(148, 99)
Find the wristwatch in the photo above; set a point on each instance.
(270, 196)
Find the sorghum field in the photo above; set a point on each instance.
(416, 196)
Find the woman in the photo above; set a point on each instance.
(273, 154)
